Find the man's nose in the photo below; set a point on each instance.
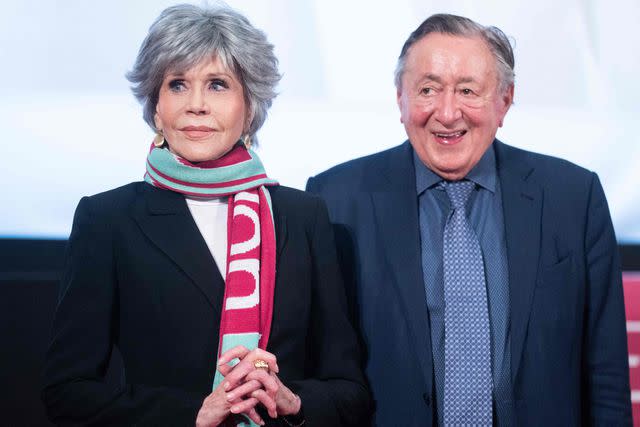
(448, 108)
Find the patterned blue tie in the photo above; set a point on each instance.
(467, 342)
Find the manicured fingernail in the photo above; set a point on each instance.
(230, 397)
(225, 386)
(234, 409)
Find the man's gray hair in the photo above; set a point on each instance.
(454, 25)
(185, 35)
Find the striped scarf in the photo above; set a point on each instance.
(251, 252)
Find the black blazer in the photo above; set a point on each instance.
(139, 276)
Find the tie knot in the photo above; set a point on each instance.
(458, 192)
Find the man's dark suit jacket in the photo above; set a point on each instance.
(139, 276)
(568, 342)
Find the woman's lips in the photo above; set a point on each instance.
(449, 138)
(197, 132)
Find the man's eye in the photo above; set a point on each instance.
(426, 91)
(218, 84)
(176, 85)
(466, 91)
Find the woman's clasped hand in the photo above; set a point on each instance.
(250, 379)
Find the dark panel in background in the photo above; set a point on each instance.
(630, 256)
(29, 273)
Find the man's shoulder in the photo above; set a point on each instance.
(542, 167)
(352, 173)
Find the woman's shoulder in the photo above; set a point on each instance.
(111, 203)
(293, 202)
(119, 195)
(292, 197)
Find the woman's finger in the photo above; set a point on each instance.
(270, 358)
(225, 369)
(255, 417)
(248, 363)
(238, 351)
(236, 376)
(267, 401)
(243, 390)
(244, 405)
(266, 380)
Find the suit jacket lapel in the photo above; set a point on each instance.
(280, 223)
(163, 216)
(522, 206)
(396, 213)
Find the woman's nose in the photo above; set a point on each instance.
(197, 102)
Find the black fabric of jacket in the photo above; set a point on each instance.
(139, 276)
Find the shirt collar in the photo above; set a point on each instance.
(484, 173)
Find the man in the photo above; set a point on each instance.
(485, 279)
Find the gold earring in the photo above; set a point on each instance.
(246, 140)
(158, 140)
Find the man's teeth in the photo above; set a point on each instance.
(450, 135)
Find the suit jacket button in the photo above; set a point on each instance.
(427, 399)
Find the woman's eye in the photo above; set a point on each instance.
(176, 85)
(218, 84)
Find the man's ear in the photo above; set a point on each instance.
(508, 96)
(399, 102)
(507, 101)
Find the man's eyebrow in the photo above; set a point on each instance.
(437, 79)
(432, 77)
(467, 80)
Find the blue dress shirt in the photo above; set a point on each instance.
(484, 211)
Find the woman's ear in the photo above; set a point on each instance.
(157, 121)
(249, 119)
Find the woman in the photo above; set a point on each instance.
(270, 343)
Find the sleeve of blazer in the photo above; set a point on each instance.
(605, 369)
(337, 394)
(75, 392)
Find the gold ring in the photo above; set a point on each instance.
(261, 364)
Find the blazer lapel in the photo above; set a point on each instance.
(522, 206)
(396, 214)
(163, 216)
(280, 222)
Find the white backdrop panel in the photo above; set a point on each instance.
(70, 126)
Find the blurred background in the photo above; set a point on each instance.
(70, 126)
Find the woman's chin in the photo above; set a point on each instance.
(199, 156)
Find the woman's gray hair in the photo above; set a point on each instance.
(185, 35)
(454, 25)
